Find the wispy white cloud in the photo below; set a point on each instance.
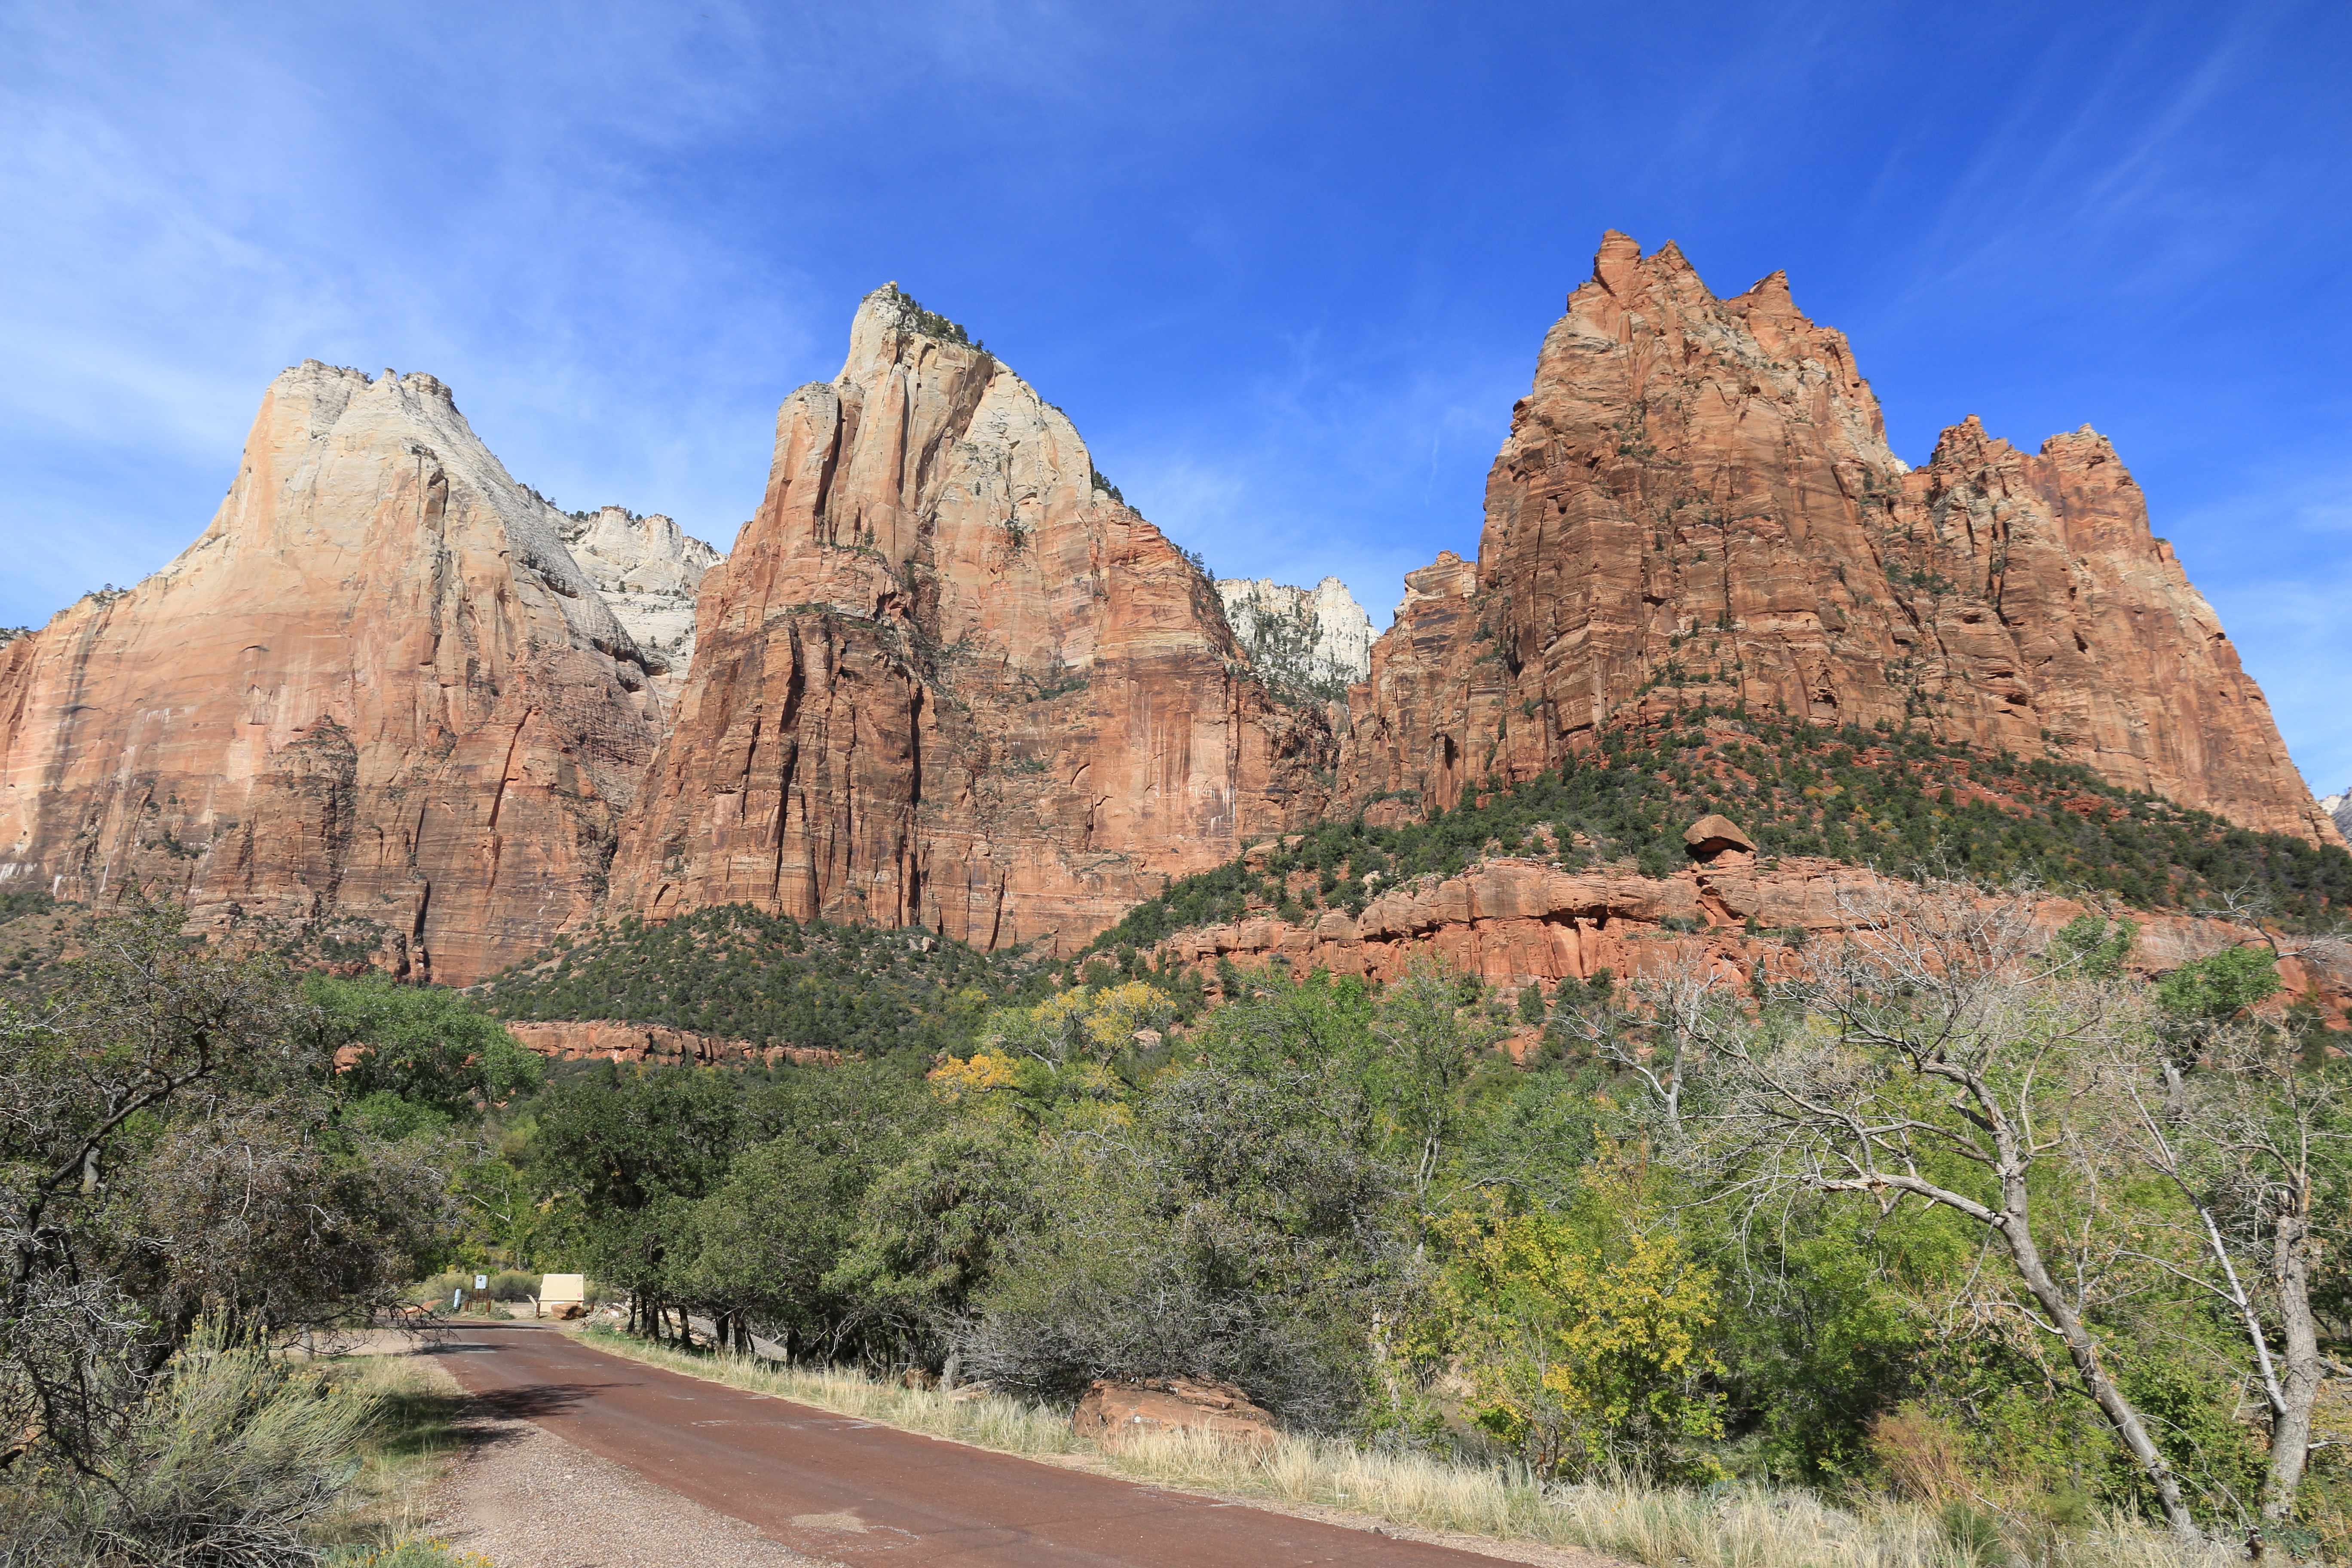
(2288, 613)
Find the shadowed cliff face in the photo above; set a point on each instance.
(1697, 504)
(946, 679)
(376, 688)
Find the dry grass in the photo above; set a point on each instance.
(1006, 1426)
(408, 1447)
(1736, 1525)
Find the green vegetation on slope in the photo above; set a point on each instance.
(771, 980)
(1348, 1201)
(1895, 798)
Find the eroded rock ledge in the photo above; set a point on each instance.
(600, 1039)
(1518, 922)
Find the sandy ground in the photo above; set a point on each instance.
(526, 1499)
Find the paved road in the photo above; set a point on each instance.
(857, 1493)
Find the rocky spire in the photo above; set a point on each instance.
(1697, 503)
(949, 678)
(376, 691)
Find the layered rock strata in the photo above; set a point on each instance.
(1517, 922)
(377, 689)
(658, 1045)
(947, 678)
(648, 571)
(1697, 503)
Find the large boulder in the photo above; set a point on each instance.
(1712, 835)
(1112, 1413)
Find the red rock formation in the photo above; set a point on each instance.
(1114, 1412)
(376, 688)
(600, 1039)
(947, 680)
(1514, 921)
(1697, 503)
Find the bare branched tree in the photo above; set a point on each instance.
(1945, 1059)
(1662, 1040)
(2255, 1142)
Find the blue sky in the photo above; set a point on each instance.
(1286, 266)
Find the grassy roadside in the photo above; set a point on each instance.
(382, 1518)
(1733, 1525)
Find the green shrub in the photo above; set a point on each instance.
(513, 1284)
(741, 973)
(224, 1465)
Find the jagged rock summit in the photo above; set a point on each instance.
(378, 689)
(1310, 641)
(648, 571)
(947, 678)
(1697, 503)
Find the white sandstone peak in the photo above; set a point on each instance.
(1311, 637)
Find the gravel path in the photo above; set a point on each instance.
(524, 1497)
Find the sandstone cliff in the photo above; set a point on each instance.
(1697, 503)
(377, 689)
(648, 572)
(947, 678)
(1307, 641)
(1515, 922)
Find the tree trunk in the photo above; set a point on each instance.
(2084, 1351)
(2299, 1370)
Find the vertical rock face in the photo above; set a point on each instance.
(1697, 503)
(946, 679)
(377, 688)
(1311, 639)
(648, 571)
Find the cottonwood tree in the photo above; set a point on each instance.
(1429, 1043)
(1941, 1054)
(1662, 1040)
(2258, 1147)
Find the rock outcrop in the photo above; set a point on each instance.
(1113, 1414)
(600, 1039)
(378, 689)
(948, 678)
(648, 570)
(1516, 921)
(1697, 503)
(1306, 640)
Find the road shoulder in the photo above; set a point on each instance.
(525, 1498)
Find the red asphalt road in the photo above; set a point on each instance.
(837, 1487)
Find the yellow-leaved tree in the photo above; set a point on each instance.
(1582, 1336)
